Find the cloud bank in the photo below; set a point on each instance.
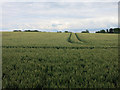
(60, 15)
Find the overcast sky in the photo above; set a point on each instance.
(51, 16)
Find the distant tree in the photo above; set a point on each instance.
(116, 30)
(107, 30)
(31, 31)
(27, 31)
(111, 30)
(97, 32)
(85, 31)
(16, 30)
(101, 31)
(35, 31)
(66, 31)
(59, 31)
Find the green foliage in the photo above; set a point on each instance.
(59, 31)
(116, 30)
(17, 31)
(66, 31)
(31, 31)
(111, 30)
(85, 31)
(59, 60)
(101, 31)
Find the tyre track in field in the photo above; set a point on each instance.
(76, 36)
(79, 38)
(56, 47)
(62, 47)
(69, 38)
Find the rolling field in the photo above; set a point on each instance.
(59, 60)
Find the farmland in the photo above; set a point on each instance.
(59, 60)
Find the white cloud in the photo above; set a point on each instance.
(59, 24)
(59, 15)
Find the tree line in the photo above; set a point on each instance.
(111, 30)
(26, 31)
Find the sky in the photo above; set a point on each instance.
(59, 16)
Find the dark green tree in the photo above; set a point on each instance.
(111, 30)
(66, 31)
(85, 31)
